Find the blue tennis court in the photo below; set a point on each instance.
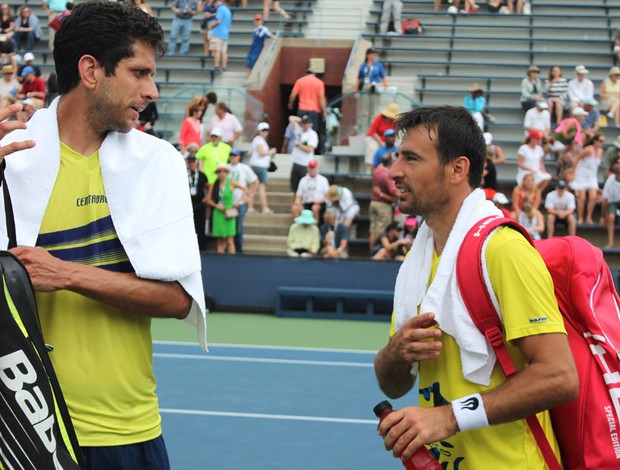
(269, 408)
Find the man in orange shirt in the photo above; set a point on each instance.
(312, 103)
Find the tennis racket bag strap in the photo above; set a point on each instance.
(482, 311)
(35, 428)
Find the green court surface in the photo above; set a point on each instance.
(268, 330)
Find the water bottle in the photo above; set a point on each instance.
(422, 458)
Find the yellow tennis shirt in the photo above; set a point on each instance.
(524, 290)
(102, 355)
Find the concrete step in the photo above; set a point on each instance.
(264, 244)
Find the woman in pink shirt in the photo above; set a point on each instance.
(191, 129)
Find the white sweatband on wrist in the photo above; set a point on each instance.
(469, 412)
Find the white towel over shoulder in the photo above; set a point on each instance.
(443, 297)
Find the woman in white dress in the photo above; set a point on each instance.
(586, 176)
(530, 160)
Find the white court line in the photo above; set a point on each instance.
(286, 348)
(263, 360)
(268, 416)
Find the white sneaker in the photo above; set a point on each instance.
(611, 115)
(267, 211)
(251, 210)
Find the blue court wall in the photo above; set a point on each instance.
(249, 282)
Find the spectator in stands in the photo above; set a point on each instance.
(203, 102)
(30, 106)
(500, 200)
(148, 116)
(370, 76)
(560, 206)
(53, 8)
(375, 137)
(306, 141)
(184, 11)
(33, 87)
(566, 170)
(208, 10)
(388, 148)
(382, 198)
(260, 34)
(556, 91)
(590, 124)
(304, 238)
(7, 21)
(610, 95)
(616, 47)
(191, 130)
(143, 5)
(342, 199)
(476, 104)
(570, 129)
(527, 189)
(9, 84)
(310, 193)
(390, 245)
(7, 51)
(212, 154)
(454, 3)
(221, 31)
(495, 156)
(531, 218)
(227, 122)
(611, 198)
(27, 30)
(538, 119)
(585, 184)
(580, 88)
(245, 177)
(391, 10)
(288, 140)
(28, 61)
(334, 237)
(220, 198)
(612, 152)
(530, 160)
(268, 4)
(260, 161)
(198, 191)
(312, 103)
(532, 88)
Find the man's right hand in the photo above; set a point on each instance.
(6, 127)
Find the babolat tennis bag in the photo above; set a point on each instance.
(587, 428)
(35, 428)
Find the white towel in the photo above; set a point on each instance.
(155, 227)
(443, 297)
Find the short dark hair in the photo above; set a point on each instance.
(457, 135)
(107, 31)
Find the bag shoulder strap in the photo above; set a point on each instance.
(8, 208)
(477, 299)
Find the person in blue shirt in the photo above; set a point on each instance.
(476, 104)
(371, 74)
(207, 7)
(389, 148)
(258, 41)
(221, 29)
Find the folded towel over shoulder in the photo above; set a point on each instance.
(442, 297)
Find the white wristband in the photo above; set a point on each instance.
(469, 412)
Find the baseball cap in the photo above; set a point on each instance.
(581, 69)
(579, 111)
(542, 104)
(258, 17)
(535, 135)
(371, 50)
(216, 131)
(236, 152)
(562, 184)
(388, 132)
(28, 69)
(590, 101)
(313, 164)
(262, 126)
(488, 138)
(28, 56)
(305, 118)
(500, 198)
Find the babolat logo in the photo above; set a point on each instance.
(471, 403)
(19, 376)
